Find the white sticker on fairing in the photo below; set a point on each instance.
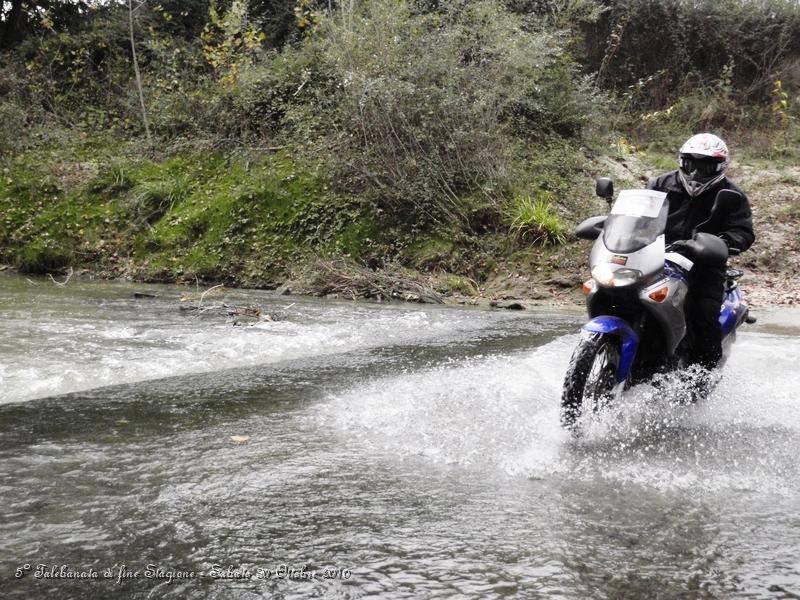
(639, 203)
(680, 260)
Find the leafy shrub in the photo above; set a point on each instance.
(431, 107)
(278, 95)
(13, 125)
(664, 49)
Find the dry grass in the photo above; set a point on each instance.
(346, 279)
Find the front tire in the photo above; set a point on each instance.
(591, 376)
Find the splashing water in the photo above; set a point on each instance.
(504, 413)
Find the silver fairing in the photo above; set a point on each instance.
(650, 261)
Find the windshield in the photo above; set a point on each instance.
(637, 218)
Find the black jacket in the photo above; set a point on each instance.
(688, 215)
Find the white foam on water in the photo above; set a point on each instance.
(501, 412)
(760, 384)
(742, 437)
(52, 356)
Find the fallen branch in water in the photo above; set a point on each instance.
(221, 308)
(62, 283)
(217, 290)
(251, 312)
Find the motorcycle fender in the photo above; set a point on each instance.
(731, 313)
(630, 341)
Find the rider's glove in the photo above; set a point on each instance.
(706, 249)
(733, 250)
(684, 247)
(727, 239)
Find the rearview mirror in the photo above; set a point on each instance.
(604, 188)
(730, 198)
(591, 228)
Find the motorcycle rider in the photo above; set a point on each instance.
(691, 191)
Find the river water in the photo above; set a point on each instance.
(351, 450)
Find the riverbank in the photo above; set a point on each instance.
(330, 162)
(276, 225)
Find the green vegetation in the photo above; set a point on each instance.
(439, 136)
(203, 216)
(535, 220)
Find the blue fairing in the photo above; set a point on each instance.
(731, 305)
(673, 271)
(630, 341)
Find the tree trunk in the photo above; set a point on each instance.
(136, 72)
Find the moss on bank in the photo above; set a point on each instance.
(205, 216)
(265, 219)
(256, 219)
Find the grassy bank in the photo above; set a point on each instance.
(253, 218)
(270, 218)
(209, 216)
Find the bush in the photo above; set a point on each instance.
(535, 220)
(660, 50)
(432, 107)
(13, 126)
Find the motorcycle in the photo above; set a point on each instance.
(635, 299)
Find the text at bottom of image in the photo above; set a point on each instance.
(123, 573)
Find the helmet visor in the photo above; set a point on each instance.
(699, 167)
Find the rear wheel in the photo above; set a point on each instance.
(591, 376)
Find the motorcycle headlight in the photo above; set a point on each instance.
(608, 277)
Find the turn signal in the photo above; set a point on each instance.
(659, 295)
(588, 286)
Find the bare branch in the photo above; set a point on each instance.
(136, 69)
(62, 283)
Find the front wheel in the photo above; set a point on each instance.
(591, 376)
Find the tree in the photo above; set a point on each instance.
(25, 17)
(136, 69)
(12, 21)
